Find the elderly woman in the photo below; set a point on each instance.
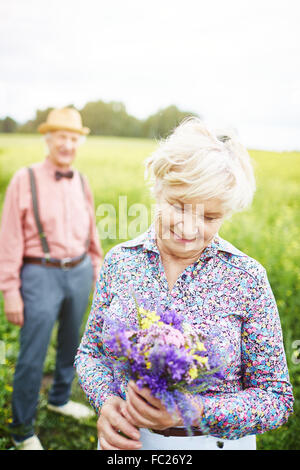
(181, 262)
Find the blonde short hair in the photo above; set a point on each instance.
(198, 162)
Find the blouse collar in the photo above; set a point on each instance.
(148, 241)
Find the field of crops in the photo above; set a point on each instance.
(268, 232)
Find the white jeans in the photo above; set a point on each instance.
(153, 441)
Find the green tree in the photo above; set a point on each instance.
(8, 125)
(160, 124)
(110, 119)
(32, 125)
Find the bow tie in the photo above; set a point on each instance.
(67, 174)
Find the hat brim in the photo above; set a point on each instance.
(44, 128)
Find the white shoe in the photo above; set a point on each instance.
(31, 443)
(76, 410)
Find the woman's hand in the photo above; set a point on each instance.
(143, 410)
(110, 422)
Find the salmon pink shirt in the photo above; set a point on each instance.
(67, 216)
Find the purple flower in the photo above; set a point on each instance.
(166, 358)
(171, 317)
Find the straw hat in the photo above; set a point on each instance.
(66, 118)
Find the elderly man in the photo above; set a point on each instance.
(49, 256)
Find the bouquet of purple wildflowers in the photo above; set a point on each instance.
(166, 355)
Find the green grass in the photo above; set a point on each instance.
(269, 232)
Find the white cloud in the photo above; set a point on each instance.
(229, 61)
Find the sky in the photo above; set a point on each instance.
(236, 62)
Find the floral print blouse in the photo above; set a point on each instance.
(224, 291)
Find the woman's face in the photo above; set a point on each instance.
(185, 228)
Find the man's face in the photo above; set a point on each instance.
(62, 147)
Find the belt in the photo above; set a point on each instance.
(177, 432)
(64, 263)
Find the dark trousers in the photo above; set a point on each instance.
(49, 295)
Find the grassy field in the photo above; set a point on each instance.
(269, 232)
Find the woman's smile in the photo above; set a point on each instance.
(180, 239)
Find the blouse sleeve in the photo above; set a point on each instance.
(94, 372)
(266, 400)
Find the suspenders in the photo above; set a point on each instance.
(42, 234)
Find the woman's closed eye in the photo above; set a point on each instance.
(183, 208)
(178, 208)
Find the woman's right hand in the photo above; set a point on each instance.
(111, 421)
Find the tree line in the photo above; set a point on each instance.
(109, 118)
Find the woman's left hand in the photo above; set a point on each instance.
(145, 411)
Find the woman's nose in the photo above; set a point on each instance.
(190, 228)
